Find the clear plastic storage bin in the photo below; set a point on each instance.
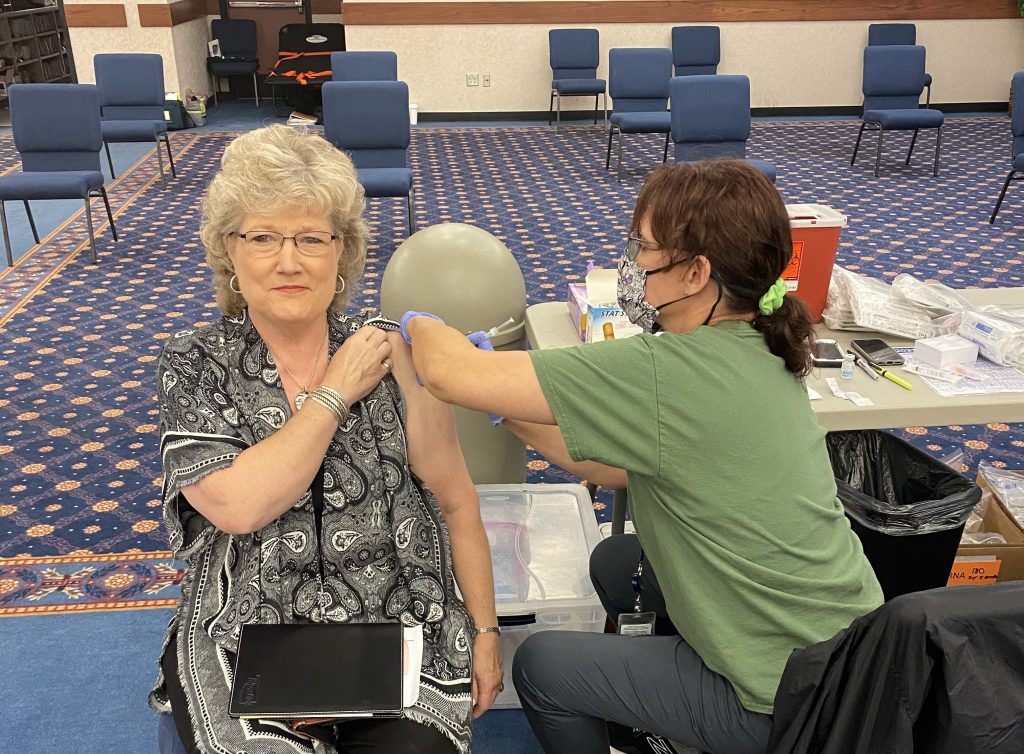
(541, 537)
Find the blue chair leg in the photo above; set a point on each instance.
(31, 221)
(605, 109)
(608, 155)
(170, 157)
(938, 147)
(558, 110)
(597, 98)
(110, 215)
(999, 201)
(551, 106)
(910, 151)
(7, 238)
(664, 155)
(256, 89)
(412, 213)
(878, 153)
(856, 147)
(110, 162)
(92, 236)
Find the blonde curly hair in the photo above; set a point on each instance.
(273, 169)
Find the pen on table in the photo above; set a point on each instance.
(864, 365)
(892, 377)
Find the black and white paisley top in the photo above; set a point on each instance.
(385, 550)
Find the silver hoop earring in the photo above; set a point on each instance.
(342, 281)
(232, 282)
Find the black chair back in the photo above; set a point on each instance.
(237, 37)
(311, 38)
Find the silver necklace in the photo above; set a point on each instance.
(304, 391)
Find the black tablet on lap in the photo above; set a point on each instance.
(318, 670)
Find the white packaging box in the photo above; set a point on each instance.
(541, 537)
(945, 351)
(605, 319)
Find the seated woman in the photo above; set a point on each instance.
(731, 490)
(281, 398)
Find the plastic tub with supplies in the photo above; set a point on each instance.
(541, 537)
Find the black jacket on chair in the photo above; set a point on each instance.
(935, 672)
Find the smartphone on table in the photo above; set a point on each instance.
(876, 351)
(826, 352)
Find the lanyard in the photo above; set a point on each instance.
(637, 582)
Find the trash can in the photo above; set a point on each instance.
(470, 279)
(908, 508)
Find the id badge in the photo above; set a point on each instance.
(637, 624)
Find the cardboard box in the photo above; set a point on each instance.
(1010, 556)
(945, 351)
(594, 310)
(578, 308)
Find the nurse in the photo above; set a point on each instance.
(742, 552)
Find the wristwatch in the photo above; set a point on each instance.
(488, 630)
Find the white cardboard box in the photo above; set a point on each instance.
(945, 351)
(605, 318)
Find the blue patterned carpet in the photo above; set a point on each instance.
(79, 470)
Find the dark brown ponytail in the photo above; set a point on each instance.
(788, 331)
(728, 212)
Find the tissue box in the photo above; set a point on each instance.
(578, 308)
(945, 351)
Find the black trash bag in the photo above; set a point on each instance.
(892, 487)
(907, 508)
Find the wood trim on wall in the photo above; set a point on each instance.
(171, 14)
(665, 11)
(320, 8)
(84, 15)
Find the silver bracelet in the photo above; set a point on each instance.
(331, 399)
(488, 630)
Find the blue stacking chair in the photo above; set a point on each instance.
(575, 55)
(893, 81)
(370, 121)
(238, 52)
(711, 119)
(1017, 129)
(696, 50)
(364, 66)
(638, 82)
(132, 102)
(57, 134)
(898, 34)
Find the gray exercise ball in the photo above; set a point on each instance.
(470, 279)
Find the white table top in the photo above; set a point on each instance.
(548, 326)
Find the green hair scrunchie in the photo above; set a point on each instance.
(772, 300)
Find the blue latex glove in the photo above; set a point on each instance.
(408, 316)
(481, 341)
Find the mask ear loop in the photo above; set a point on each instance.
(718, 282)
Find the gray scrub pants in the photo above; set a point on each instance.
(570, 682)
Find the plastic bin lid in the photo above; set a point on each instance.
(541, 537)
(814, 216)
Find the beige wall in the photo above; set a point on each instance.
(182, 47)
(87, 42)
(790, 64)
(190, 51)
